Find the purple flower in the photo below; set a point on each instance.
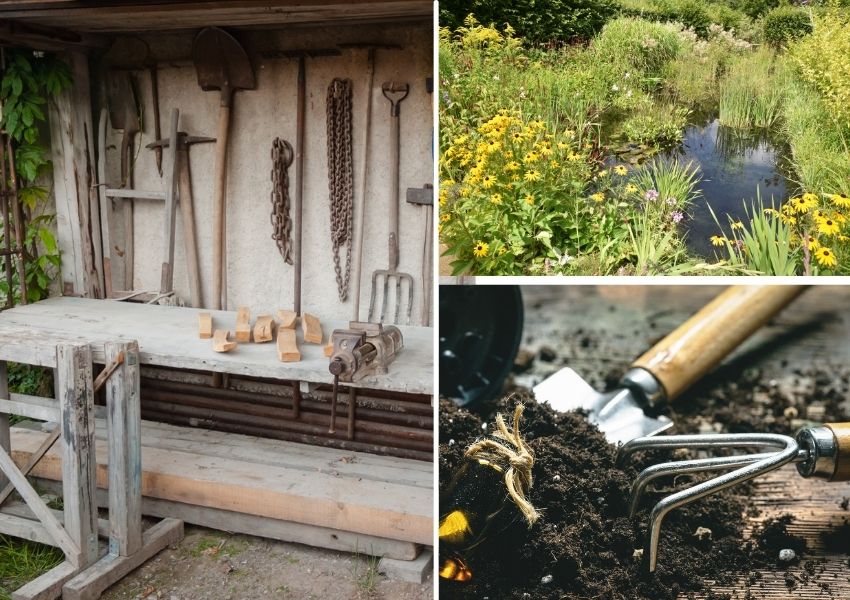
(677, 216)
(650, 195)
(672, 201)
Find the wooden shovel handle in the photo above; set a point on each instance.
(841, 431)
(219, 216)
(705, 339)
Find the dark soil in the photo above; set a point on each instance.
(584, 544)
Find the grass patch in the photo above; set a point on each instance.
(22, 561)
(751, 94)
(364, 572)
(214, 546)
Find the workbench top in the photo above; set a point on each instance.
(168, 337)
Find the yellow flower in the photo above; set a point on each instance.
(828, 227)
(445, 217)
(825, 257)
(621, 170)
(602, 173)
(840, 200)
(492, 146)
(737, 225)
(512, 166)
(503, 250)
(554, 164)
(771, 211)
(546, 150)
(569, 133)
(788, 220)
(573, 157)
(487, 182)
(631, 189)
(444, 196)
(532, 175)
(515, 177)
(517, 136)
(819, 215)
(529, 199)
(588, 145)
(480, 249)
(810, 198)
(496, 199)
(537, 125)
(562, 146)
(530, 157)
(598, 197)
(716, 240)
(813, 243)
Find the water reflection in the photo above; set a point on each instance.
(733, 165)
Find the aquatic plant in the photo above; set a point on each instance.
(670, 180)
(751, 94)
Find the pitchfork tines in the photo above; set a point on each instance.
(397, 279)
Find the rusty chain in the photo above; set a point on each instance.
(282, 156)
(340, 177)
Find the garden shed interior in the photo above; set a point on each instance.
(241, 440)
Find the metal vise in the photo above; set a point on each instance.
(363, 349)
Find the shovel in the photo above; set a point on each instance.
(395, 93)
(671, 366)
(221, 64)
(124, 115)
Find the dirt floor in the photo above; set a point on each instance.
(213, 565)
(584, 545)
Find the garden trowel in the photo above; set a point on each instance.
(671, 366)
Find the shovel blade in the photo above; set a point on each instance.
(221, 62)
(617, 414)
(121, 101)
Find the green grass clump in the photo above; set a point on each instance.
(751, 94)
(639, 47)
(22, 561)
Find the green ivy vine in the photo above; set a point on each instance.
(29, 80)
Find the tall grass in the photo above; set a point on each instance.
(671, 179)
(751, 94)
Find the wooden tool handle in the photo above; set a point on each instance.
(841, 431)
(705, 339)
(219, 218)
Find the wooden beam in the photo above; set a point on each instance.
(287, 346)
(263, 329)
(205, 326)
(5, 443)
(48, 585)
(220, 341)
(32, 407)
(243, 324)
(312, 328)
(287, 319)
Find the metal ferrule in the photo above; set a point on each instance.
(644, 384)
(822, 448)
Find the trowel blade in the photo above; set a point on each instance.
(617, 414)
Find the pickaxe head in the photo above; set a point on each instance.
(184, 140)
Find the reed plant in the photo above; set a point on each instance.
(751, 93)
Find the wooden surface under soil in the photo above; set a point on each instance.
(168, 336)
(625, 320)
(379, 496)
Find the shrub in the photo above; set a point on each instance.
(785, 24)
(638, 47)
(754, 8)
(537, 21)
(662, 125)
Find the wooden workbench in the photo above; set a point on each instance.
(623, 321)
(168, 337)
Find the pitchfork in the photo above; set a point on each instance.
(395, 93)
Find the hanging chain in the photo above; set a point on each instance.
(282, 156)
(340, 177)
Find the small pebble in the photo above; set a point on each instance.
(703, 533)
(546, 579)
(787, 555)
(556, 478)
(484, 426)
(451, 442)
(791, 412)
(638, 554)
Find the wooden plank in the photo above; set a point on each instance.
(20, 509)
(243, 324)
(26, 529)
(170, 180)
(5, 441)
(76, 405)
(311, 328)
(264, 329)
(287, 319)
(129, 194)
(30, 333)
(33, 460)
(48, 586)
(205, 326)
(287, 346)
(220, 342)
(105, 204)
(329, 348)
(124, 424)
(91, 583)
(32, 407)
(381, 509)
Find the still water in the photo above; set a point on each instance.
(733, 165)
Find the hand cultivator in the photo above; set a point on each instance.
(822, 452)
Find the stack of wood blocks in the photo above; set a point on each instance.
(263, 331)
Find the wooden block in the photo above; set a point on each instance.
(287, 319)
(413, 571)
(329, 349)
(264, 329)
(287, 347)
(205, 330)
(220, 342)
(312, 328)
(243, 324)
(48, 585)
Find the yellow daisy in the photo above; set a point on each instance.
(445, 217)
(598, 197)
(480, 249)
(532, 175)
(631, 189)
(737, 225)
(573, 157)
(512, 166)
(530, 157)
(487, 182)
(825, 257)
(602, 173)
(840, 200)
(716, 240)
(621, 170)
(828, 227)
(496, 199)
(554, 164)
(788, 220)
(813, 243)
(529, 199)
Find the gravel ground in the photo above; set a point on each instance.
(214, 565)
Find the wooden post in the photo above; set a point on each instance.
(124, 422)
(76, 409)
(5, 440)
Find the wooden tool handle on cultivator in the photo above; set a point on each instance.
(704, 340)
